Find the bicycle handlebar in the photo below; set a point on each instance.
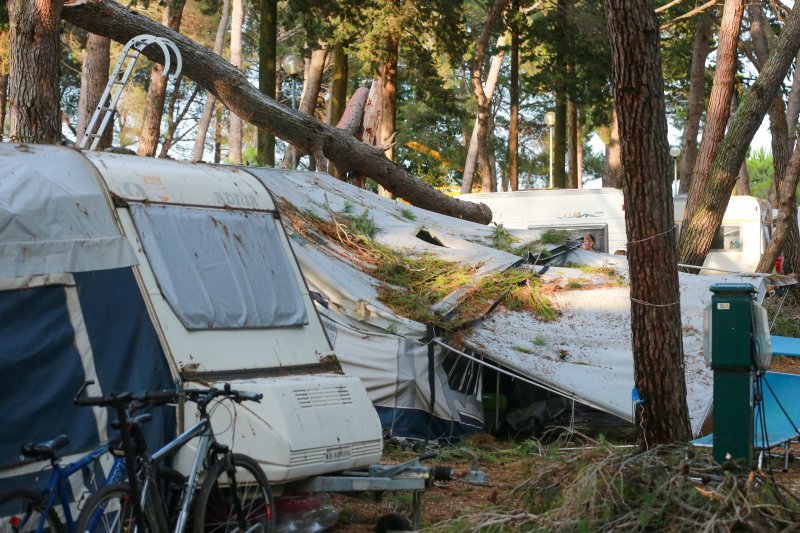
(202, 397)
(117, 399)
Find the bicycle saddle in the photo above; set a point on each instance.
(44, 450)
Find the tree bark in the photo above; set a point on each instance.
(712, 198)
(787, 216)
(234, 121)
(94, 78)
(338, 102)
(513, 126)
(743, 181)
(235, 91)
(388, 77)
(267, 68)
(211, 98)
(793, 106)
(481, 96)
(572, 142)
(612, 177)
(157, 92)
(694, 106)
(560, 142)
(759, 32)
(308, 106)
(655, 293)
(34, 93)
(3, 102)
(719, 104)
(350, 122)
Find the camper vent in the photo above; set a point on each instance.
(328, 454)
(323, 397)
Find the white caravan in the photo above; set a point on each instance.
(742, 236)
(526, 214)
(230, 304)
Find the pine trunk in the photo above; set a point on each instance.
(157, 92)
(388, 77)
(612, 177)
(787, 219)
(743, 181)
(267, 68)
(793, 106)
(34, 92)
(713, 196)
(308, 106)
(572, 142)
(513, 126)
(241, 97)
(338, 101)
(211, 98)
(663, 415)
(560, 142)
(719, 104)
(94, 78)
(477, 141)
(694, 106)
(234, 121)
(3, 102)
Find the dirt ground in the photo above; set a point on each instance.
(507, 463)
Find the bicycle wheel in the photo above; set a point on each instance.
(216, 504)
(111, 510)
(24, 511)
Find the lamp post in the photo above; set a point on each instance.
(550, 120)
(292, 66)
(675, 153)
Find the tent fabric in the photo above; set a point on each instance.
(220, 269)
(53, 338)
(585, 354)
(40, 372)
(781, 392)
(785, 346)
(54, 216)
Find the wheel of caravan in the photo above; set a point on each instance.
(111, 510)
(21, 512)
(218, 504)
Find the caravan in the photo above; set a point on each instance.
(526, 214)
(189, 277)
(742, 236)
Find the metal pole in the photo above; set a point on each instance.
(294, 81)
(551, 157)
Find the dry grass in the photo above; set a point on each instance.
(668, 488)
(413, 283)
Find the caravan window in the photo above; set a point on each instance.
(220, 268)
(598, 231)
(728, 238)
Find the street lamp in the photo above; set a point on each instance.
(550, 120)
(675, 153)
(292, 66)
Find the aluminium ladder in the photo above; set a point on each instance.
(119, 78)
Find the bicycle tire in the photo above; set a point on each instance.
(111, 510)
(215, 509)
(20, 512)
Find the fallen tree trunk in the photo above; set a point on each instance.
(232, 88)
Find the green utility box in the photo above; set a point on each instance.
(733, 362)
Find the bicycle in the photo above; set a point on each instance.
(26, 510)
(235, 494)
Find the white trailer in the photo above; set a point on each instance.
(526, 214)
(742, 236)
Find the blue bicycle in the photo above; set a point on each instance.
(28, 511)
(35, 510)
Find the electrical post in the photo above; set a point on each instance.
(733, 362)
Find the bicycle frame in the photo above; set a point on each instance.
(201, 429)
(56, 491)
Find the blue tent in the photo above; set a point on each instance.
(70, 308)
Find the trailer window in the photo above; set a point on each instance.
(728, 238)
(220, 269)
